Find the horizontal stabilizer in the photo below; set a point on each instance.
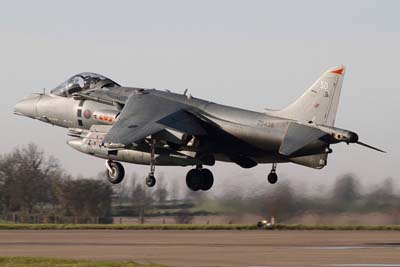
(298, 136)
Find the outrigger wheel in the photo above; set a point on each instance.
(272, 176)
(150, 180)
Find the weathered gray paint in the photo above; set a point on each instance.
(222, 132)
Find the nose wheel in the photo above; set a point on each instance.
(272, 176)
(115, 172)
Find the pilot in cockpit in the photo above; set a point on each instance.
(81, 82)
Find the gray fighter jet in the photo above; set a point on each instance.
(153, 127)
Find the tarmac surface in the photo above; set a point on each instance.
(211, 248)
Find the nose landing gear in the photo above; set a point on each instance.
(199, 179)
(272, 176)
(196, 179)
(115, 172)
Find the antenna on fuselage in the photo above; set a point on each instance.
(189, 96)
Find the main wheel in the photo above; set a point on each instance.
(150, 180)
(272, 178)
(194, 179)
(208, 179)
(116, 174)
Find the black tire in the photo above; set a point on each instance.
(272, 178)
(208, 179)
(151, 180)
(117, 173)
(194, 179)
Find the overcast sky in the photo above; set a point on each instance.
(251, 54)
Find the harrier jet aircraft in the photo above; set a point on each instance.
(153, 127)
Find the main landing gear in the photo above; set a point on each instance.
(115, 172)
(272, 176)
(196, 179)
(199, 179)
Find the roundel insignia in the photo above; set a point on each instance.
(87, 114)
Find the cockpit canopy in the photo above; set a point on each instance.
(83, 81)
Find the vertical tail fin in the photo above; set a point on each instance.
(319, 103)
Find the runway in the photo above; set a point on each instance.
(211, 248)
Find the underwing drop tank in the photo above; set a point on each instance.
(91, 142)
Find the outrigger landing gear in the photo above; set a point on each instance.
(115, 172)
(199, 179)
(151, 180)
(272, 176)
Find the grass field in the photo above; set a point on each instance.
(129, 226)
(193, 227)
(50, 262)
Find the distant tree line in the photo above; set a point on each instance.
(346, 196)
(31, 183)
(134, 199)
(283, 200)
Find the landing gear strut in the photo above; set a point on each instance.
(199, 179)
(115, 172)
(272, 176)
(151, 180)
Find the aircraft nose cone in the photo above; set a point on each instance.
(27, 107)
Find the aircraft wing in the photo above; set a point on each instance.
(145, 114)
